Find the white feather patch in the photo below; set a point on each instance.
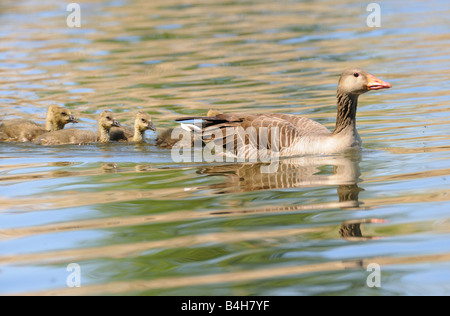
(190, 127)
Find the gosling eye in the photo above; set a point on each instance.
(144, 121)
(108, 118)
(64, 113)
(356, 75)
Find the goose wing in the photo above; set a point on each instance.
(246, 134)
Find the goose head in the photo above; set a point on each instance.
(356, 81)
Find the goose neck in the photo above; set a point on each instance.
(346, 111)
(104, 134)
(52, 125)
(138, 135)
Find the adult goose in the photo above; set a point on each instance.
(142, 123)
(19, 130)
(77, 136)
(289, 135)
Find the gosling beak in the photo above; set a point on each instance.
(72, 119)
(116, 123)
(151, 126)
(373, 83)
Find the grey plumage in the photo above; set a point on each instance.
(262, 135)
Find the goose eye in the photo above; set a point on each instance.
(108, 118)
(143, 120)
(356, 75)
(64, 113)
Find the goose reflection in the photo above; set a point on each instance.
(339, 170)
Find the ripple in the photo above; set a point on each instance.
(139, 223)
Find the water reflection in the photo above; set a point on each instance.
(309, 171)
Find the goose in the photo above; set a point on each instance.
(142, 123)
(292, 135)
(19, 130)
(77, 136)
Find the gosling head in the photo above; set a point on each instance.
(213, 112)
(107, 120)
(58, 117)
(356, 81)
(144, 122)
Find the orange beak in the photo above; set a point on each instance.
(373, 83)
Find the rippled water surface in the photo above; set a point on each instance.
(136, 222)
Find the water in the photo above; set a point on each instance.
(138, 223)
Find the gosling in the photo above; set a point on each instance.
(142, 123)
(19, 130)
(76, 136)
